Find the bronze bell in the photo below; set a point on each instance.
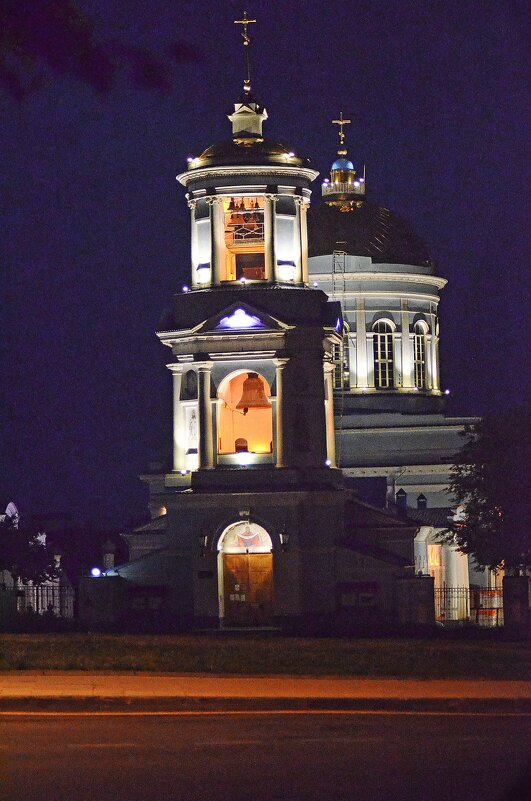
(253, 395)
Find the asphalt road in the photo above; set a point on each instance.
(284, 757)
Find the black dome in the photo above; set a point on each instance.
(367, 231)
(249, 151)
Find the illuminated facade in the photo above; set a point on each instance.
(389, 400)
(252, 523)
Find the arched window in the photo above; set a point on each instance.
(383, 355)
(245, 415)
(420, 355)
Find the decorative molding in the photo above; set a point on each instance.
(411, 278)
(203, 173)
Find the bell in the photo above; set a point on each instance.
(253, 395)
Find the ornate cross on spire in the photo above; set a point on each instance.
(341, 122)
(245, 22)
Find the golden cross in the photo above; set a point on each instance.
(246, 41)
(245, 22)
(341, 122)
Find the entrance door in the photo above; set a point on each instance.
(248, 588)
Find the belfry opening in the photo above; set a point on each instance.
(245, 415)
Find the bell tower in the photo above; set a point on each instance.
(251, 342)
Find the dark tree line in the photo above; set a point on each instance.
(491, 482)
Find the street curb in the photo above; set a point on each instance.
(239, 704)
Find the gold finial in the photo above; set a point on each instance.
(246, 42)
(341, 122)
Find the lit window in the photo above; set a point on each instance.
(340, 359)
(420, 355)
(383, 355)
(244, 238)
(434, 556)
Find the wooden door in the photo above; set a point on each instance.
(248, 589)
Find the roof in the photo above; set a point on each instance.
(291, 305)
(437, 517)
(248, 151)
(342, 164)
(367, 231)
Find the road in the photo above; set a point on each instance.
(341, 756)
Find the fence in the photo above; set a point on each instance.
(53, 599)
(479, 606)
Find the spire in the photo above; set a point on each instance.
(248, 114)
(341, 122)
(345, 188)
(245, 22)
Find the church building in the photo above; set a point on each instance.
(253, 524)
(390, 405)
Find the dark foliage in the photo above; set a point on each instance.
(490, 480)
(43, 38)
(24, 553)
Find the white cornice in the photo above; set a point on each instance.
(233, 170)
(349, 293)
(411, 278)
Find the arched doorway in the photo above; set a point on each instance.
(245, 570)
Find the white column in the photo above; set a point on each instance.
(303, 221)
(217, 222)
(329, 408)
(436, 379)
(361, 346)
(279, 432)
(398, 365)
(206, 441)
(269, 237)
(195, 258)
(408, 378)
(178, 422)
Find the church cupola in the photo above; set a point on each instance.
(248, 198)
(345, 188)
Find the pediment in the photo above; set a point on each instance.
(238, 318)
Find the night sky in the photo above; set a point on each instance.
(95, 229)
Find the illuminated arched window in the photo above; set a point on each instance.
(383, 355)
(245, 415)
(419, 358)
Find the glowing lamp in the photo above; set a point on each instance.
(189, 159)
(291, 155)
(356, 183)
(316, 283)
(446, 391)
(186, 288)
(95, 572)
(328, 463)
(284, 537)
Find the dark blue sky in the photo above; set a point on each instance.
(95, 228)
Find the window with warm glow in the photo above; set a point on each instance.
(434, 556)
(383, 355)
(245, 415)
(244, 238)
